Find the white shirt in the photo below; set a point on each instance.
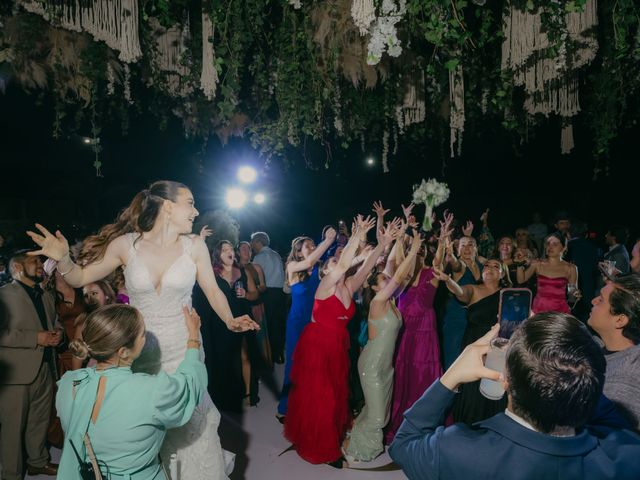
(271, 264)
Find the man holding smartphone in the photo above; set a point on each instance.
(554, 377)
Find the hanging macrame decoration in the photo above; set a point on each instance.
(413, 108)
(550, 83)
(363, 13)
(456, 104)
(209, 76)
(566, 137)
(385, 151)
(171, 47)
(114, 22)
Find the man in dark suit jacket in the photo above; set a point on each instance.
(616, 238)
(584, 255)
(554, 378)
(27, 341)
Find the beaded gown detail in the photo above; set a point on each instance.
(375, 367)
(318, 413)
(197, 445)
(551, 295)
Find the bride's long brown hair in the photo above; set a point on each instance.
(139, 216)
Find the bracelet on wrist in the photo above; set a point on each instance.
(73, 265)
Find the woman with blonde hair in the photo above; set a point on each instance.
(113, 418)
(151, 238)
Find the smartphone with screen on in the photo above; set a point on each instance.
(514, 308)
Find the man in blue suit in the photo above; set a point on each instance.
(554, 377)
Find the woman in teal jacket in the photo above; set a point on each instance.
(124, 414)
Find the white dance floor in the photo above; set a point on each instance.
(256, 438)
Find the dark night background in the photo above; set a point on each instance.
(54, 182)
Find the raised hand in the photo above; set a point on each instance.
(205, 232)
(52, 246)
(330, 234)
(445, 227)
(467, 230)
(407, 210)
(242, 324)
(365, 224)
(416, 242)
(440, 275)
(379, 210)
(484, 218)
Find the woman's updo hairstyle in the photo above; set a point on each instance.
(139, 216)
(106, 330)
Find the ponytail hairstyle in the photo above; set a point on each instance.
(106, 330)
(368, 293)
(139, 217)
(295, 255)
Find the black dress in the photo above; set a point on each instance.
(471, 406)
(222, 347)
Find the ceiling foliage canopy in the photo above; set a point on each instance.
(288, 73)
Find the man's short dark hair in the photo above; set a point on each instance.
(555, 371)
(620, 233)
(261, 237)
(625, 300)
(561, 215)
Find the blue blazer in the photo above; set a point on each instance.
(499, 447)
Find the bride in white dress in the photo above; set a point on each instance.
(162, 262)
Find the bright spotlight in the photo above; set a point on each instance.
(247, 174)
(259, 198)
(236, 198)
(370, 161)
(87, 141)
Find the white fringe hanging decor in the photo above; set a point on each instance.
(566, 137)
(456, 104)
(550, 83)
(171, 46)
(385, 151)
(363, 13)
(209, 75)
(114, 22)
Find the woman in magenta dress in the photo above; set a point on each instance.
(553, 276)
(417, 360)
(318, 413)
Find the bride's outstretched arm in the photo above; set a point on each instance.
(217, 300)
(56, 247)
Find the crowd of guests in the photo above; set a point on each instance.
(366, 322)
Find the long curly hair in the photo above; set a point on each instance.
(295, 255)
(139, 216)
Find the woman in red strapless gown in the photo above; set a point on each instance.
(553, 275)
(318, 412)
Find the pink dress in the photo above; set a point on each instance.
(551, 295)
(417, 361)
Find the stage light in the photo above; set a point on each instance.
(236, 198)
(370, 161)
(87, 141)
(259, 198)
(247, 174)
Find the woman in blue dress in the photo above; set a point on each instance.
(125, 415)
(465, 270)
(303, 279)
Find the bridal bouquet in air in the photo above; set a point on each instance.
(431, 193)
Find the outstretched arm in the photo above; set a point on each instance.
(312, 259)
(217, 300)
(384, 237)
(402, 271)
(463, 293)
(56, 247)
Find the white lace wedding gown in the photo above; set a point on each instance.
(197, 445)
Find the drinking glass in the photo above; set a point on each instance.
(495, 360)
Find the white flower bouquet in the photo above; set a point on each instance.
(431, 193)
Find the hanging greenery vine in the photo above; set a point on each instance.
(331, 73)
